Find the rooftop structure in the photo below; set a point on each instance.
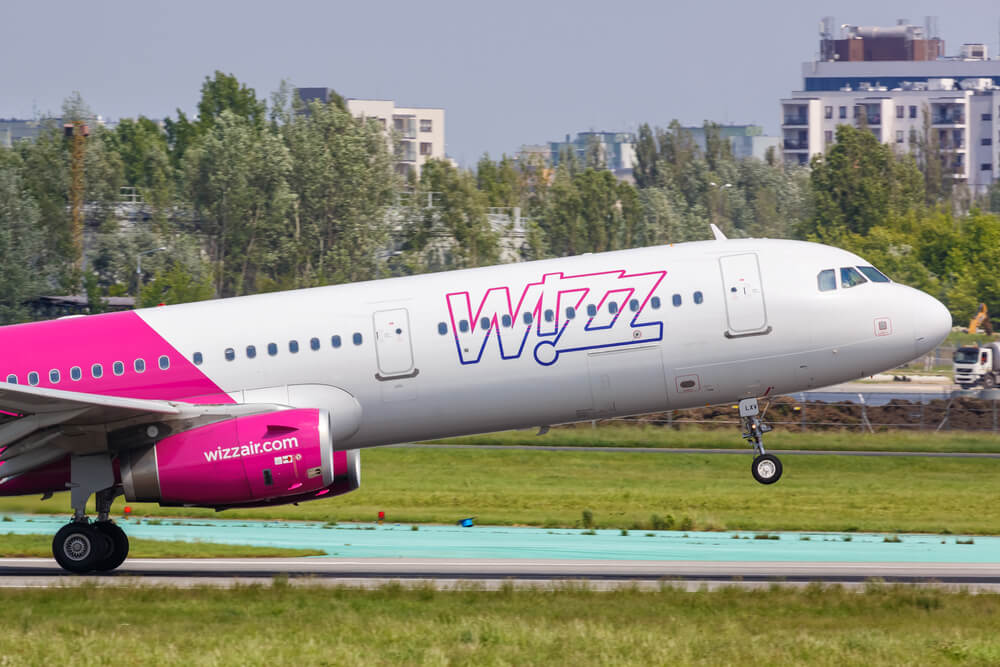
(959, 95)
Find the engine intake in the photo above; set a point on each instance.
(273, 458)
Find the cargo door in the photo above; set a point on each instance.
(393, 346)
(627, 382)
(746, 314)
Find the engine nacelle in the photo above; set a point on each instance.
(271, 459)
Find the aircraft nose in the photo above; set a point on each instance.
(932, 323)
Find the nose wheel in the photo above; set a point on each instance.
(766, 468)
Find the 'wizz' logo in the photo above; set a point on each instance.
(556, 315)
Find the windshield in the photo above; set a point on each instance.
(873, 274)
(849, 277)
(966, 355)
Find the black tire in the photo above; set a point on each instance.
(766, 468)
(77, 547)
(119, 546)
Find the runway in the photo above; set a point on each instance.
(449, 573)
(744, 451)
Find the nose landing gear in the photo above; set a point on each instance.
(766, 468)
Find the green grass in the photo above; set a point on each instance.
(18, 546)
(625, 489)
(639, 435)
(282, 624)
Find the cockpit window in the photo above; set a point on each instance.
(827, 280)
(873, 274)
(849, 277)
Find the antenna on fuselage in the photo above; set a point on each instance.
(719, 236)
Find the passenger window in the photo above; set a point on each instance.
(197, 358)
(118, 368)
(677, 300)
(442, 328)
(633, 305)
(54, 376)
(75, 373)
(592, 310)
(826, 280)
(230, 354)
(164, 362)
(314, 344)
(32, 378)
(698, 298)
(484, 323)
(272, 349)
(849, 277)
(251, 351)
(293, 346)
(549, 315)
(570, 312)
(613, 307)
(528, 318)
(655, 302)
(96, 371)
(873, 274)
(11, 379)
(335, 340)
(356, 338)
(463, 326)
(506, 321)
(140, 365)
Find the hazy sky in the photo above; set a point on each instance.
(507, 72)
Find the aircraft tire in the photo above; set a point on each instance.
(766, 468)
(119, 546)
(78, 546)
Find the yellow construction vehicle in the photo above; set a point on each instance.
(981, 319)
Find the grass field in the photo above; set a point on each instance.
(281, 624)
(625, 489)
(18, 546)
(638, 435)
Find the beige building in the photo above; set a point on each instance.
(420, 131)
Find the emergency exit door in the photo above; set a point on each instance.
(392, 343)
(746, 312)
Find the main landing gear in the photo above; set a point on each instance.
(83, 546)
(766, 468)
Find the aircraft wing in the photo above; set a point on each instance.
(40, 425)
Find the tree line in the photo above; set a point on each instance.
(253, 196)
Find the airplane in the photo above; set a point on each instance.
(268, 399)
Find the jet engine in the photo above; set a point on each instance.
(267, 459)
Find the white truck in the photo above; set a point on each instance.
(979, 365)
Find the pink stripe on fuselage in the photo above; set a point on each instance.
(104, 339)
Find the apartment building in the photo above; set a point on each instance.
(616, 150)
(960, 96)
(419, 130)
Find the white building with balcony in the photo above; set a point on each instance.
(419, 130)
(963, 115)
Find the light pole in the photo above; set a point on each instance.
(138, 270)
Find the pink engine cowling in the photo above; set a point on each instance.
(271, 459)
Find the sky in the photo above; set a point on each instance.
(507, 73)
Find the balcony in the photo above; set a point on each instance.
(797, 119)
(796, 145)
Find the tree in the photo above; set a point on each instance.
(646, 172)
(454, 232)
(858, 184)
(343, 182)
(237, 179)
(21, 243)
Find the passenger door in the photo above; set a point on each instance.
(393, 346)
(746, 313)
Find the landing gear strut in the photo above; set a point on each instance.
(81, 546)
(766, 468)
